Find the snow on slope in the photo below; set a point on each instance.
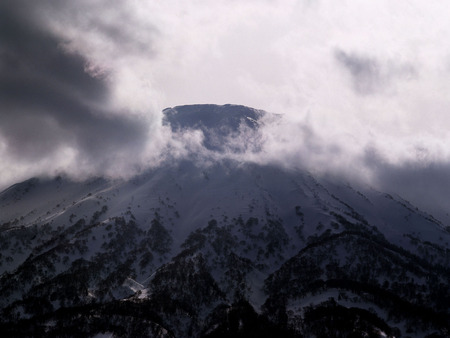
(186, 197)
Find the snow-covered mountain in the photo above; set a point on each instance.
(219, 250)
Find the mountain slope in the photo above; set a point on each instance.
(220, 250)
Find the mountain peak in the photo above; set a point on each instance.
(211, 116)
(218, 123)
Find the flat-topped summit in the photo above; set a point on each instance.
(220, 124)
(201, 116)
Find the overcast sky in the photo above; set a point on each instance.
(363, 86)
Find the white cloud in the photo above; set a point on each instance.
(348, 76)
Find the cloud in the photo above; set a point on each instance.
(83, 83)
(424, 184)
(50, 104)
(368, 75)
(364, 72)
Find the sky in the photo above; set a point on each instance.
(362, 86)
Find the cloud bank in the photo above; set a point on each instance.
(362, 87)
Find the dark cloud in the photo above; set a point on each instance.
(113, 22)
(365, 72)
(48, 100)
(425, 184)
(371, 76)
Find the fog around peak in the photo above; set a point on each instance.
(361, 87)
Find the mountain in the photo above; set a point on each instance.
(227, 249)
(231, 128)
